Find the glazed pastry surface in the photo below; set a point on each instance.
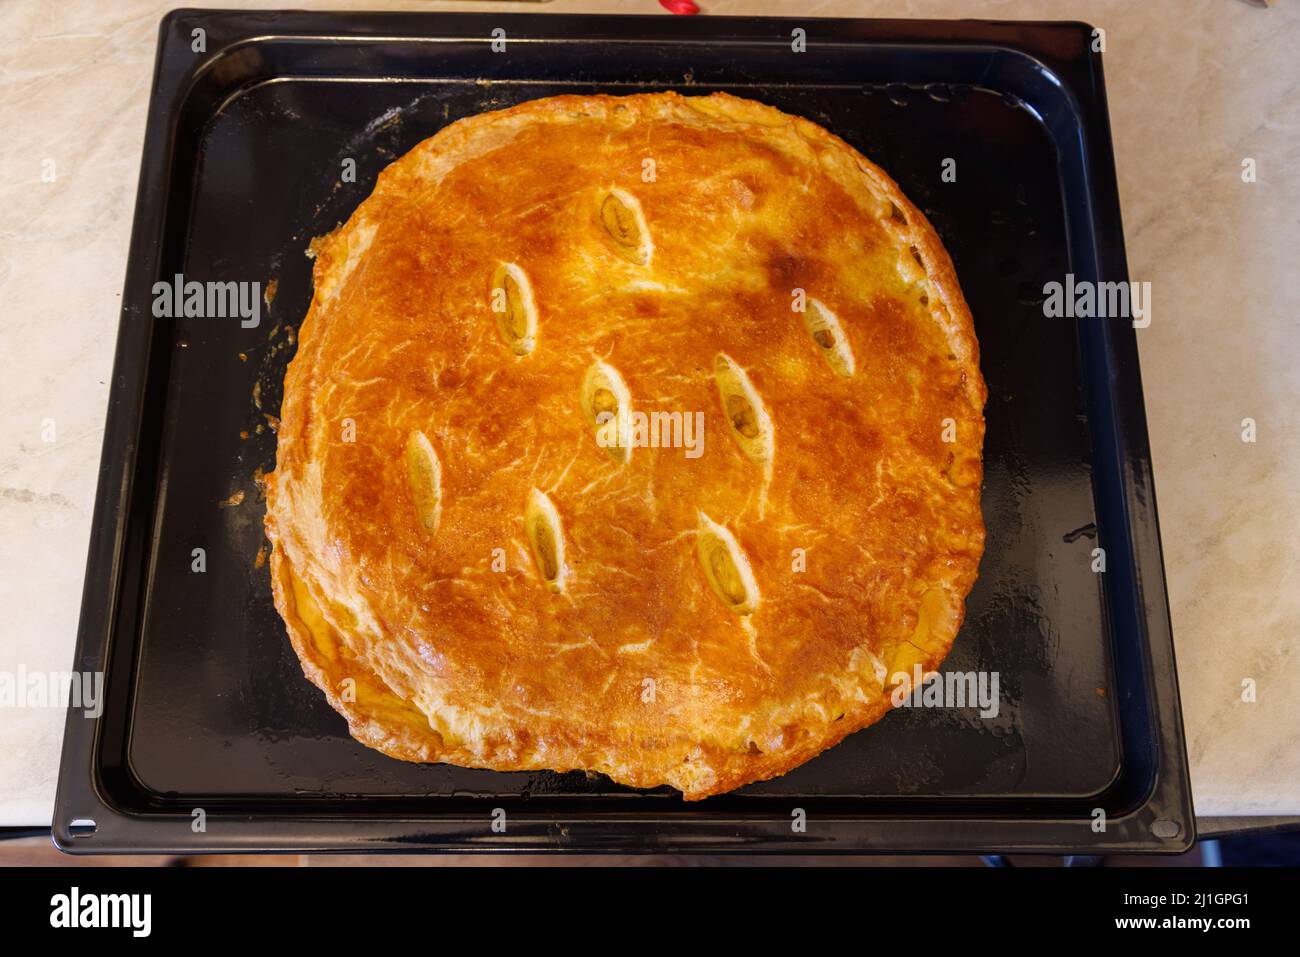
(501, 539)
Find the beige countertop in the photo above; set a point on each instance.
(1195, 88)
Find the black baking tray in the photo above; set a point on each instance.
(205, 704)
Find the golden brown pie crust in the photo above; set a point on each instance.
(423, 413)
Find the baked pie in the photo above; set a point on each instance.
(640, 435)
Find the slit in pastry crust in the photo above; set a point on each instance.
(546, 537)
(624, 225)
(514, 308)
(747, 417)
(726, 567)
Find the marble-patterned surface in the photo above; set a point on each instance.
(1195, 87)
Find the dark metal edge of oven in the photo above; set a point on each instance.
(1151, 725)
(1113, 379)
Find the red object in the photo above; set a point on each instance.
(683, 8)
